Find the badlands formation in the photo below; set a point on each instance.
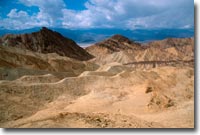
(48, 81)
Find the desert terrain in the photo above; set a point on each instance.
(48, 81)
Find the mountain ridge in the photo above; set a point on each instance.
(46, 41)
(120, 49)
(96, 35)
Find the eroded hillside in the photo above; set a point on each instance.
(124, 51)
(126, 85)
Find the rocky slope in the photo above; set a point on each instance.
(46, 41)
(15, 62)
(120, 49)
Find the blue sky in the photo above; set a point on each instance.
(87, 14)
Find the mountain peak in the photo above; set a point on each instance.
(118, 36)
(45, 29)
(121, 38)
(116, 43)
(47, 41)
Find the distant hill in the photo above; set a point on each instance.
(97, 35)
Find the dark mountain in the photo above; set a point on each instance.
(46, 41)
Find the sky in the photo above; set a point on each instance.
(88, 14)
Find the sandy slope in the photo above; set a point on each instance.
(159, 97)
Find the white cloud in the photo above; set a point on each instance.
(51, 7)
(49, 10)
(175, 16)
(14, 14)
(98, 14)
(131, 14)
(77, 19)
(128, 14)
(21, 20)
(50, 14)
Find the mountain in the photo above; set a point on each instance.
(46, 41)
(113, 44)
(122, 50)
(91, 36)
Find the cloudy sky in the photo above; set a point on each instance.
(86, 14)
